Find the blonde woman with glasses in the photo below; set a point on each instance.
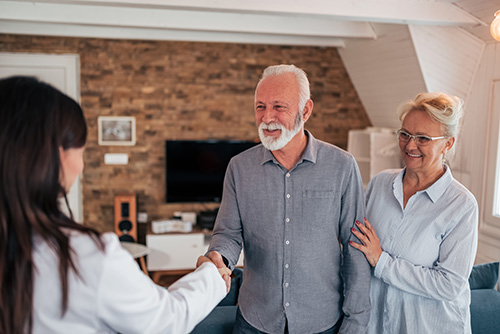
(426, 228)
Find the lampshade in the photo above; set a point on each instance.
(495, 26)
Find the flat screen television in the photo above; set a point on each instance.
(195, 169)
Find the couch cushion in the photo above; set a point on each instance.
(484, 276)
(232, 296)
(484, 307)
(220, 321)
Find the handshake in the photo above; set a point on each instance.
(216, 259)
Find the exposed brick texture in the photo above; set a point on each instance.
(183, 90)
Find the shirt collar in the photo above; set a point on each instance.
(435, 191)
(310, 154)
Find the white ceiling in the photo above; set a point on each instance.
(291, 22)
(392, 49)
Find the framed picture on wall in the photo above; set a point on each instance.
(116, 130)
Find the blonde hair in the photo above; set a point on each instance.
(444, 109)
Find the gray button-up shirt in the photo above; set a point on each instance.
(290, 224)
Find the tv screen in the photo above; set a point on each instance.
(195, 169)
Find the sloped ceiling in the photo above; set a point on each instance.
(452, 46)
(406, 60)
(384, 71)
(292, 22)
(392, 49)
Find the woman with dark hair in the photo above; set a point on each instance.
(55, 274)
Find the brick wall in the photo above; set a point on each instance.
(183, 90)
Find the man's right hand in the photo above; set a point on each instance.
(224, 271)
(216, 258)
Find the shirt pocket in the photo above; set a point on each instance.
(319, 193)
(319, 210)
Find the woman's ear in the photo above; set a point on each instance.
(62, 155)
(62, 161)
(449, 144)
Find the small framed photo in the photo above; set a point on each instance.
(116, 130)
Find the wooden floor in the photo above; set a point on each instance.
(166, 278)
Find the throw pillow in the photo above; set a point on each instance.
(484, 276)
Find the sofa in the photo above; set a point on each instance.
(485, 299)
(485, 303)
(221, 319)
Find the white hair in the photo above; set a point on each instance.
(300, 75)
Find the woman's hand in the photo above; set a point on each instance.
(371, 244)
(226, 276)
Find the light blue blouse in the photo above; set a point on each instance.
(420, 283)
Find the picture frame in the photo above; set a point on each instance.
(116, 130)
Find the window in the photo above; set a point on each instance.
(492, 214)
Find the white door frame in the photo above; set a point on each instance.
(61, 71)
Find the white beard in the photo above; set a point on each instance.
(273, 144)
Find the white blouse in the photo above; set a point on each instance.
(113, 295)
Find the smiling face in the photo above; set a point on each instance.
(429, 158)
(277, 110)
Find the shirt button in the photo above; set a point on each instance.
(287, 174)
(287, 195)
(287, 220)
(286, 265)
(287, 304)
(287, 242)
(286, 285)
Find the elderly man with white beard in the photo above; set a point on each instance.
(291, 203)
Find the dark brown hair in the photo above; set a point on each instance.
(35, 121)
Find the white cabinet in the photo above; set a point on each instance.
(374, 149)
(177, 251)
(174, 251)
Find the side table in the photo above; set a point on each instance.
(138, 251)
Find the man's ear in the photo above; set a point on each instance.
(308, 108)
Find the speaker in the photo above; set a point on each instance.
(126, 217)
(206, 219)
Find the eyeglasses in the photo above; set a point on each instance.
(420, 140)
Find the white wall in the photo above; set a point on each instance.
(475, 144)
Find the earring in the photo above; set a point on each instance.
(445, 160)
